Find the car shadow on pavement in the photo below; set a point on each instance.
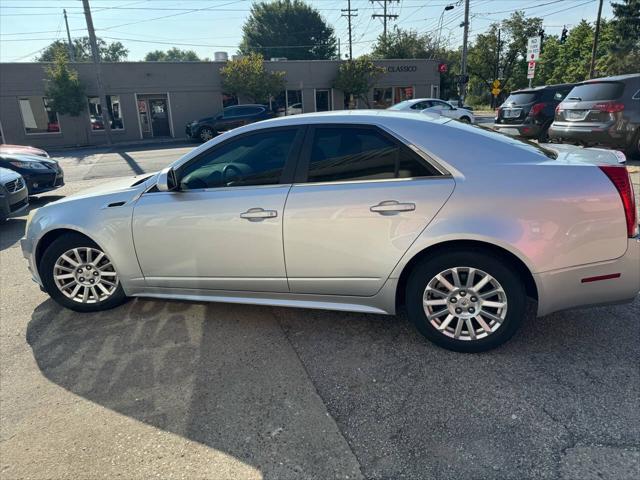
(12, 230)
(235, 378)
(221, 375)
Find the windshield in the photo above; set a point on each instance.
(401, 105)
(520, 98)
(594, 91)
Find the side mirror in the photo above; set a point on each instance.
(167, 180)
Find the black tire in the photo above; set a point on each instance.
(465, 119)
(633, 150)
(46, 268)
(495, 266)
(205, 134)
(543, 136)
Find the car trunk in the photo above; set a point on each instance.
(591, 104)
(594, 156)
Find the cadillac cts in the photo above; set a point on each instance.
(359, 211)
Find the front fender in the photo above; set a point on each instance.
(108, 227)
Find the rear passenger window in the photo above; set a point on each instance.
(348, 154)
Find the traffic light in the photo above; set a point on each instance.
(563, 36)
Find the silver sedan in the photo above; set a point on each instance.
(359, 211)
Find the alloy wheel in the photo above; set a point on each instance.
(206, 134)
(465, 303)
(85, 275)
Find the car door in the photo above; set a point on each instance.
(442, 108)
(231, 118)
(222, 228)
(360, 199)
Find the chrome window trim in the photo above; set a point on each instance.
(378, 180)
(218, 189)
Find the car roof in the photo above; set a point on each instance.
(247, 105)
(615, 78)
(455, 145)
(543, 87)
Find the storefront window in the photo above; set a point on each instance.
(115, 114)
(323, 100)
(229, 99)
(400, 94)
(279, 104)
(382, 97)
(287, 102)
(294, 102)
(38, 116)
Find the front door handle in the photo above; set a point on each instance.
(258, 214)
(391, 207)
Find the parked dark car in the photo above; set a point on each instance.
(14, 197)
(231, 117)
(529, 112)
(602, 111)
(41, 174)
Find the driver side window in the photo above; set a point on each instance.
(253, 159)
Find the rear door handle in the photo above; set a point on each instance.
(391, 207)
(258, 214)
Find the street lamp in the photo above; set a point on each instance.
(445, 9)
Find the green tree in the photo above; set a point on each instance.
(624, 53)
(109, 52)
(63, 88)
(357, 77)
(172, 55)
(403, 44)
(514, 32)
(290, 29)
(247, 76)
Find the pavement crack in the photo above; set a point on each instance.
(324, 402)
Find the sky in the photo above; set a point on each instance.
(207, 26)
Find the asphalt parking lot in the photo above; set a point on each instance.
(189, 390)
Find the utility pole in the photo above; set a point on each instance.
(384, 16)
(463, 63)
(102, 97)
(496, 72)
(72, 56)
(592, 69)
(350, 13)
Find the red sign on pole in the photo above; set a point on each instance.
(442, 68)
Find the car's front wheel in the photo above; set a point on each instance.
(205, 134)
(79, 275)
(466, 302)
(465, 119)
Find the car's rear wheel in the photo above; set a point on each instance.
(466, 302)
(79, 275)
(465, 119)
(205, 134)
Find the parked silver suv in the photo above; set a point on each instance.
(14, 197)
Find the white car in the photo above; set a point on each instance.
(435, 106)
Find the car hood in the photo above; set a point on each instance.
(596, 156)
(7, 175)
(122, 189)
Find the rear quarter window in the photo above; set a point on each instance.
(594, 91)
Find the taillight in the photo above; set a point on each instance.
(558, 108)
(609, 107)
(536, 109)
(621, 180)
